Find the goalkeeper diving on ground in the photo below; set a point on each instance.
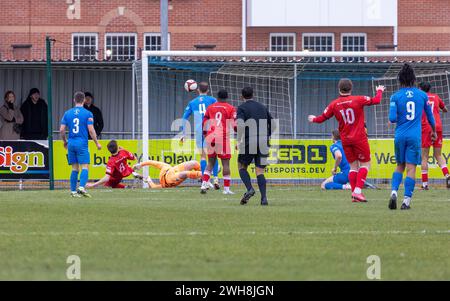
(117, 169)
(171, 176)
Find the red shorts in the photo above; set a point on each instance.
(115, 183)
(220, 150)
(426, 139)
(357, 151)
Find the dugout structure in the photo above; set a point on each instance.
(292, 85)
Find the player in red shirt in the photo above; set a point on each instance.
(349, 112)
(117, 167)
(219, 118)
(437, 105)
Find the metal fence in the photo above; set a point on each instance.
(111, 84)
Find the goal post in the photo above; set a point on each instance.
(145, 113)
(292, 84)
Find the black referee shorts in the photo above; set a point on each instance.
(259, 159)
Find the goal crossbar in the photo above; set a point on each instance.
(421, 75)
(295, 54)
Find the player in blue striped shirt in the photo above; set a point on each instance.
(197, 107)
(406, 108)
(79, 122)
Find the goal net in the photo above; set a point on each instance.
(438, 77)
(273, 85)
(291, 88)
(439, 85)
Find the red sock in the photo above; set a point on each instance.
(206, 176)
(352, 178)
(361, 178)
(424, 176)
(445, 171)
(226, 181)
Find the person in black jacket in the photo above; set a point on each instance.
(35, 117)
(98, 117)
(254, 128)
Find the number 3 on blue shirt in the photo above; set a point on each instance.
(76, 126)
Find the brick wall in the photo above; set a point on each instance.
(423, 25)
(259, 38)
(191, 22)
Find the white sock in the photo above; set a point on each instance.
(407, 200)
(226, 189)
(394, 192)
(357, 190)
(346, 187)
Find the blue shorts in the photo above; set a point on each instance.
(78, 154)
(408, 150)
(341, 178)
(199, 140)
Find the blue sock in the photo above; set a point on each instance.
(216, 169)
(333, 186)
(84, 177)
(203, 166)
(409, 186)
(73, 180)
(396, 180)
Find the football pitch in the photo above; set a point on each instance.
(178, 234)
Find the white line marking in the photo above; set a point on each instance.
(298, 233)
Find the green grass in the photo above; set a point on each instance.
(178, 234)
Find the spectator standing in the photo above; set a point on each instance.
(96, 112)
(35, 117)
(11, 118)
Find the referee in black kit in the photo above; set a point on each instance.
(254, 127)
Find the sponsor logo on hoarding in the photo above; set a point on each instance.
(298, 154)
(20, 162)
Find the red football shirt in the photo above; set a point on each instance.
(219, 117)
(118, 167)
(349, 112)
(436, 104)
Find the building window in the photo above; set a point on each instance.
(354, 42)
(152, 41)
(282, 42)
(120, 46)
(84, 46)
(319, 42)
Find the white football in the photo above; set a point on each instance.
(190, 85)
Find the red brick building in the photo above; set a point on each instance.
(84, 29)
